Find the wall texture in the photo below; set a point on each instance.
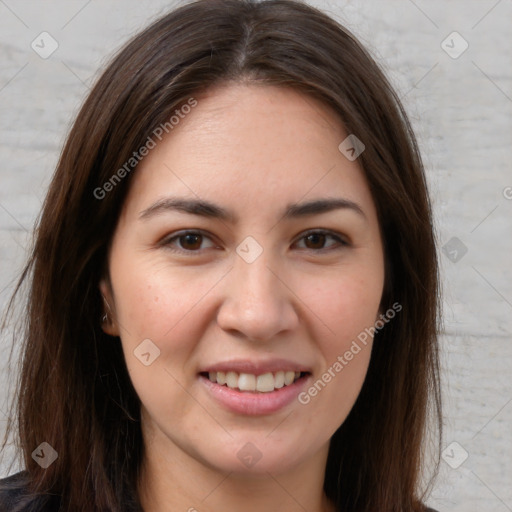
(451, 62)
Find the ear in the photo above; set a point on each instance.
(108, 317)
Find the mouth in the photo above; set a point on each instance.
(251, 383)
(252, 394)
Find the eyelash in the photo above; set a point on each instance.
(166, 242)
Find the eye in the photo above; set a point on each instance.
(190, 241)
(315, 240)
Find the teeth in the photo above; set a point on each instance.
(232, 380)
(288, 378)
(279, 380)
(264, 383)
(246, 382)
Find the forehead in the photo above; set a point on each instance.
(251, 145)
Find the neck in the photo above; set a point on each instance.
(172, 479)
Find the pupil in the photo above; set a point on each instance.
(316, 235)
(188, 238)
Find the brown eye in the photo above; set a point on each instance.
(315, 241)
(186, 242)
(190, 241)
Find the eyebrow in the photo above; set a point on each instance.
(207, 209)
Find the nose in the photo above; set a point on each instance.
(259, 303)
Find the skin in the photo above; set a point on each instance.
(253, 149)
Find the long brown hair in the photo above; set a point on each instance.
(74, 391)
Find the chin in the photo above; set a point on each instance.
(257, 455)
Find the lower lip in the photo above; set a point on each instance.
(254, 403)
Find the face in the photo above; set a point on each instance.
(258, 289)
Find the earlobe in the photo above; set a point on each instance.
(108, 319)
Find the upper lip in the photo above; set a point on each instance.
(256, 367)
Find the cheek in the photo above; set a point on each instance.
(170, 307)
(345, 305)
(329, 398)
(156, 302)
(349, 308)
(166, 306)
(346, 308)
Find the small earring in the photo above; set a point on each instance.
(104, 318)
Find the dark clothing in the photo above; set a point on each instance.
(14, 498)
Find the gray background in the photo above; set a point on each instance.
(461, 109)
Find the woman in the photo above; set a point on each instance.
(234, 290)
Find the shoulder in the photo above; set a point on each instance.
(15, 496)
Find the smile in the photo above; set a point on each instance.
(265, 383)
(250, 394)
